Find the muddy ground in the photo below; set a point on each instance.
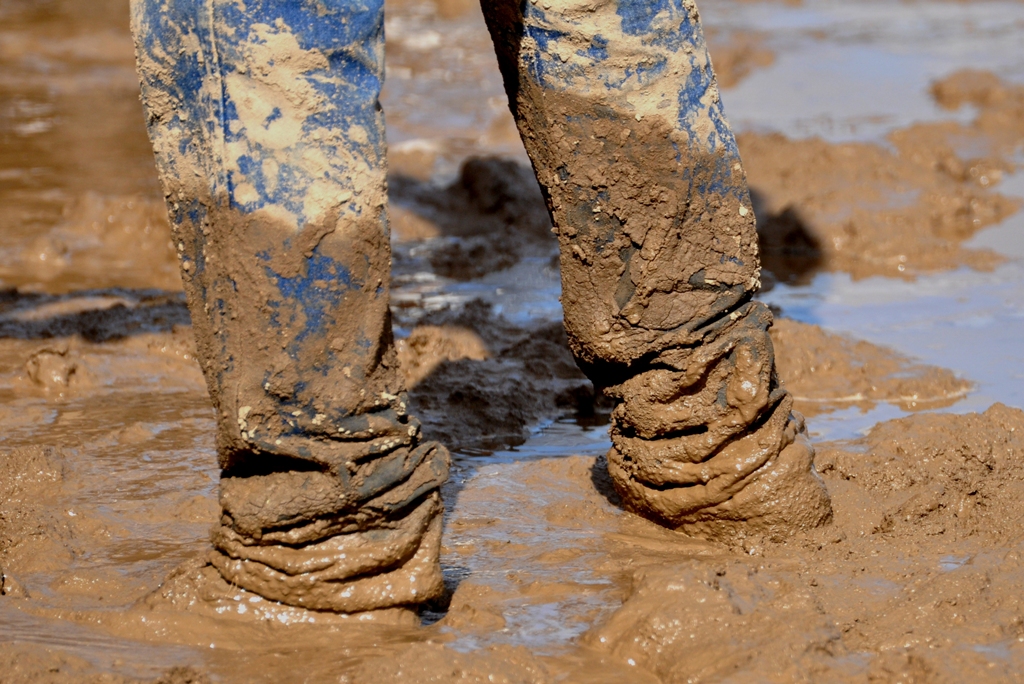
(883, 144)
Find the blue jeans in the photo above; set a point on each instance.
(269, 139)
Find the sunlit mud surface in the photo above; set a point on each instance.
(888, 188)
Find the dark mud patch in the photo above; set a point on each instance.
(96, 315)
(477, 381)
(492, 216)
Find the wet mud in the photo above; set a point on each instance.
(828, 372)
(738, 53)
(108, 455)
(898, 212)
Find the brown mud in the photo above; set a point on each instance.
(826, 372)
(898, 212)
(21, 664)
(737, 53)
(916, 577)
(108, 465)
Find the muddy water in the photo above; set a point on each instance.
(108, 469)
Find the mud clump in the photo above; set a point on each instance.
(985, 146)
(955, 476)
(429, 346)
(53, 368)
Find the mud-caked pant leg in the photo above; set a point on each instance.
(619, 110)
(269, 139)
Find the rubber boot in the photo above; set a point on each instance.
(269, 139)
(619, 110)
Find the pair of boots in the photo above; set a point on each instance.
(269, 139)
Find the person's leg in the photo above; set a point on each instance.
(619, 110)
(269, 139)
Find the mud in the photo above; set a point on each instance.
(921, 569)
(931, 501)
(22, 664)
(495, 208)
(898, 212)
(480, 382)
(829, 372)
(109, 464)
(735, 54)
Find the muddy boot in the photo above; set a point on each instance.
(619, 110)
(269, 139)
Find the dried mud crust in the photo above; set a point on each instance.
(866, 210)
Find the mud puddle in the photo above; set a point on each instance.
(965, 320)
(847, 71)
(107, 462)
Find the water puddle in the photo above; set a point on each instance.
(856, 71)
(965, 320)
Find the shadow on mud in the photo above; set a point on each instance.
(488, 219)
(789, 249)
(480, 406)
(97, 315)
